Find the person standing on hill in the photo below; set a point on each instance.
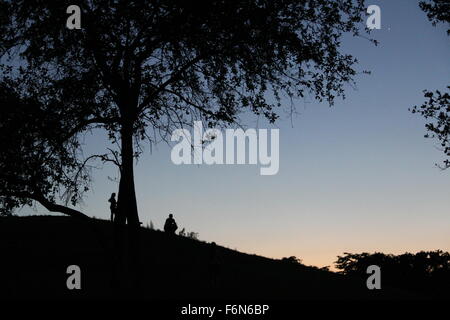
(170, 226)
(113, 206)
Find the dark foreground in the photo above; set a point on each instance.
(36, 251)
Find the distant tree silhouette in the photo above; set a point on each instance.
(292, 259)
(139, 69)
(437, 106)
(425, 271)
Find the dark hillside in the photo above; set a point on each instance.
(36, 252)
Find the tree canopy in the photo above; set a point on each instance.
(436, 108)
(438, 11)
(425, 271)
(140, 69)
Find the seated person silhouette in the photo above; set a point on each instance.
(170, 226)
(113, 206)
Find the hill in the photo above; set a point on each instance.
(37, 250)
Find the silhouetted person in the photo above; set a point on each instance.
(170, 226)
(113, 206)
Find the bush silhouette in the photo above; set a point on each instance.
(292, 259)
(188, 234)
(425, 271)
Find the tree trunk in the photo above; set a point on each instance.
(126, 238)
(127, 205)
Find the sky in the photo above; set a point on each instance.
(355, 177)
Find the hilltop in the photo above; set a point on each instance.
(37, 250)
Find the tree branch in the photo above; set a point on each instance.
(175, 76)
(49, 205)
(83, 124)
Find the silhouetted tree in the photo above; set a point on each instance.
(425, 271)
(139, 69)
(437, 110)
(139, 65)
(437, 106)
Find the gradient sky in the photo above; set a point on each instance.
(358, 176)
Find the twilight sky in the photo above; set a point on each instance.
(358, 176)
